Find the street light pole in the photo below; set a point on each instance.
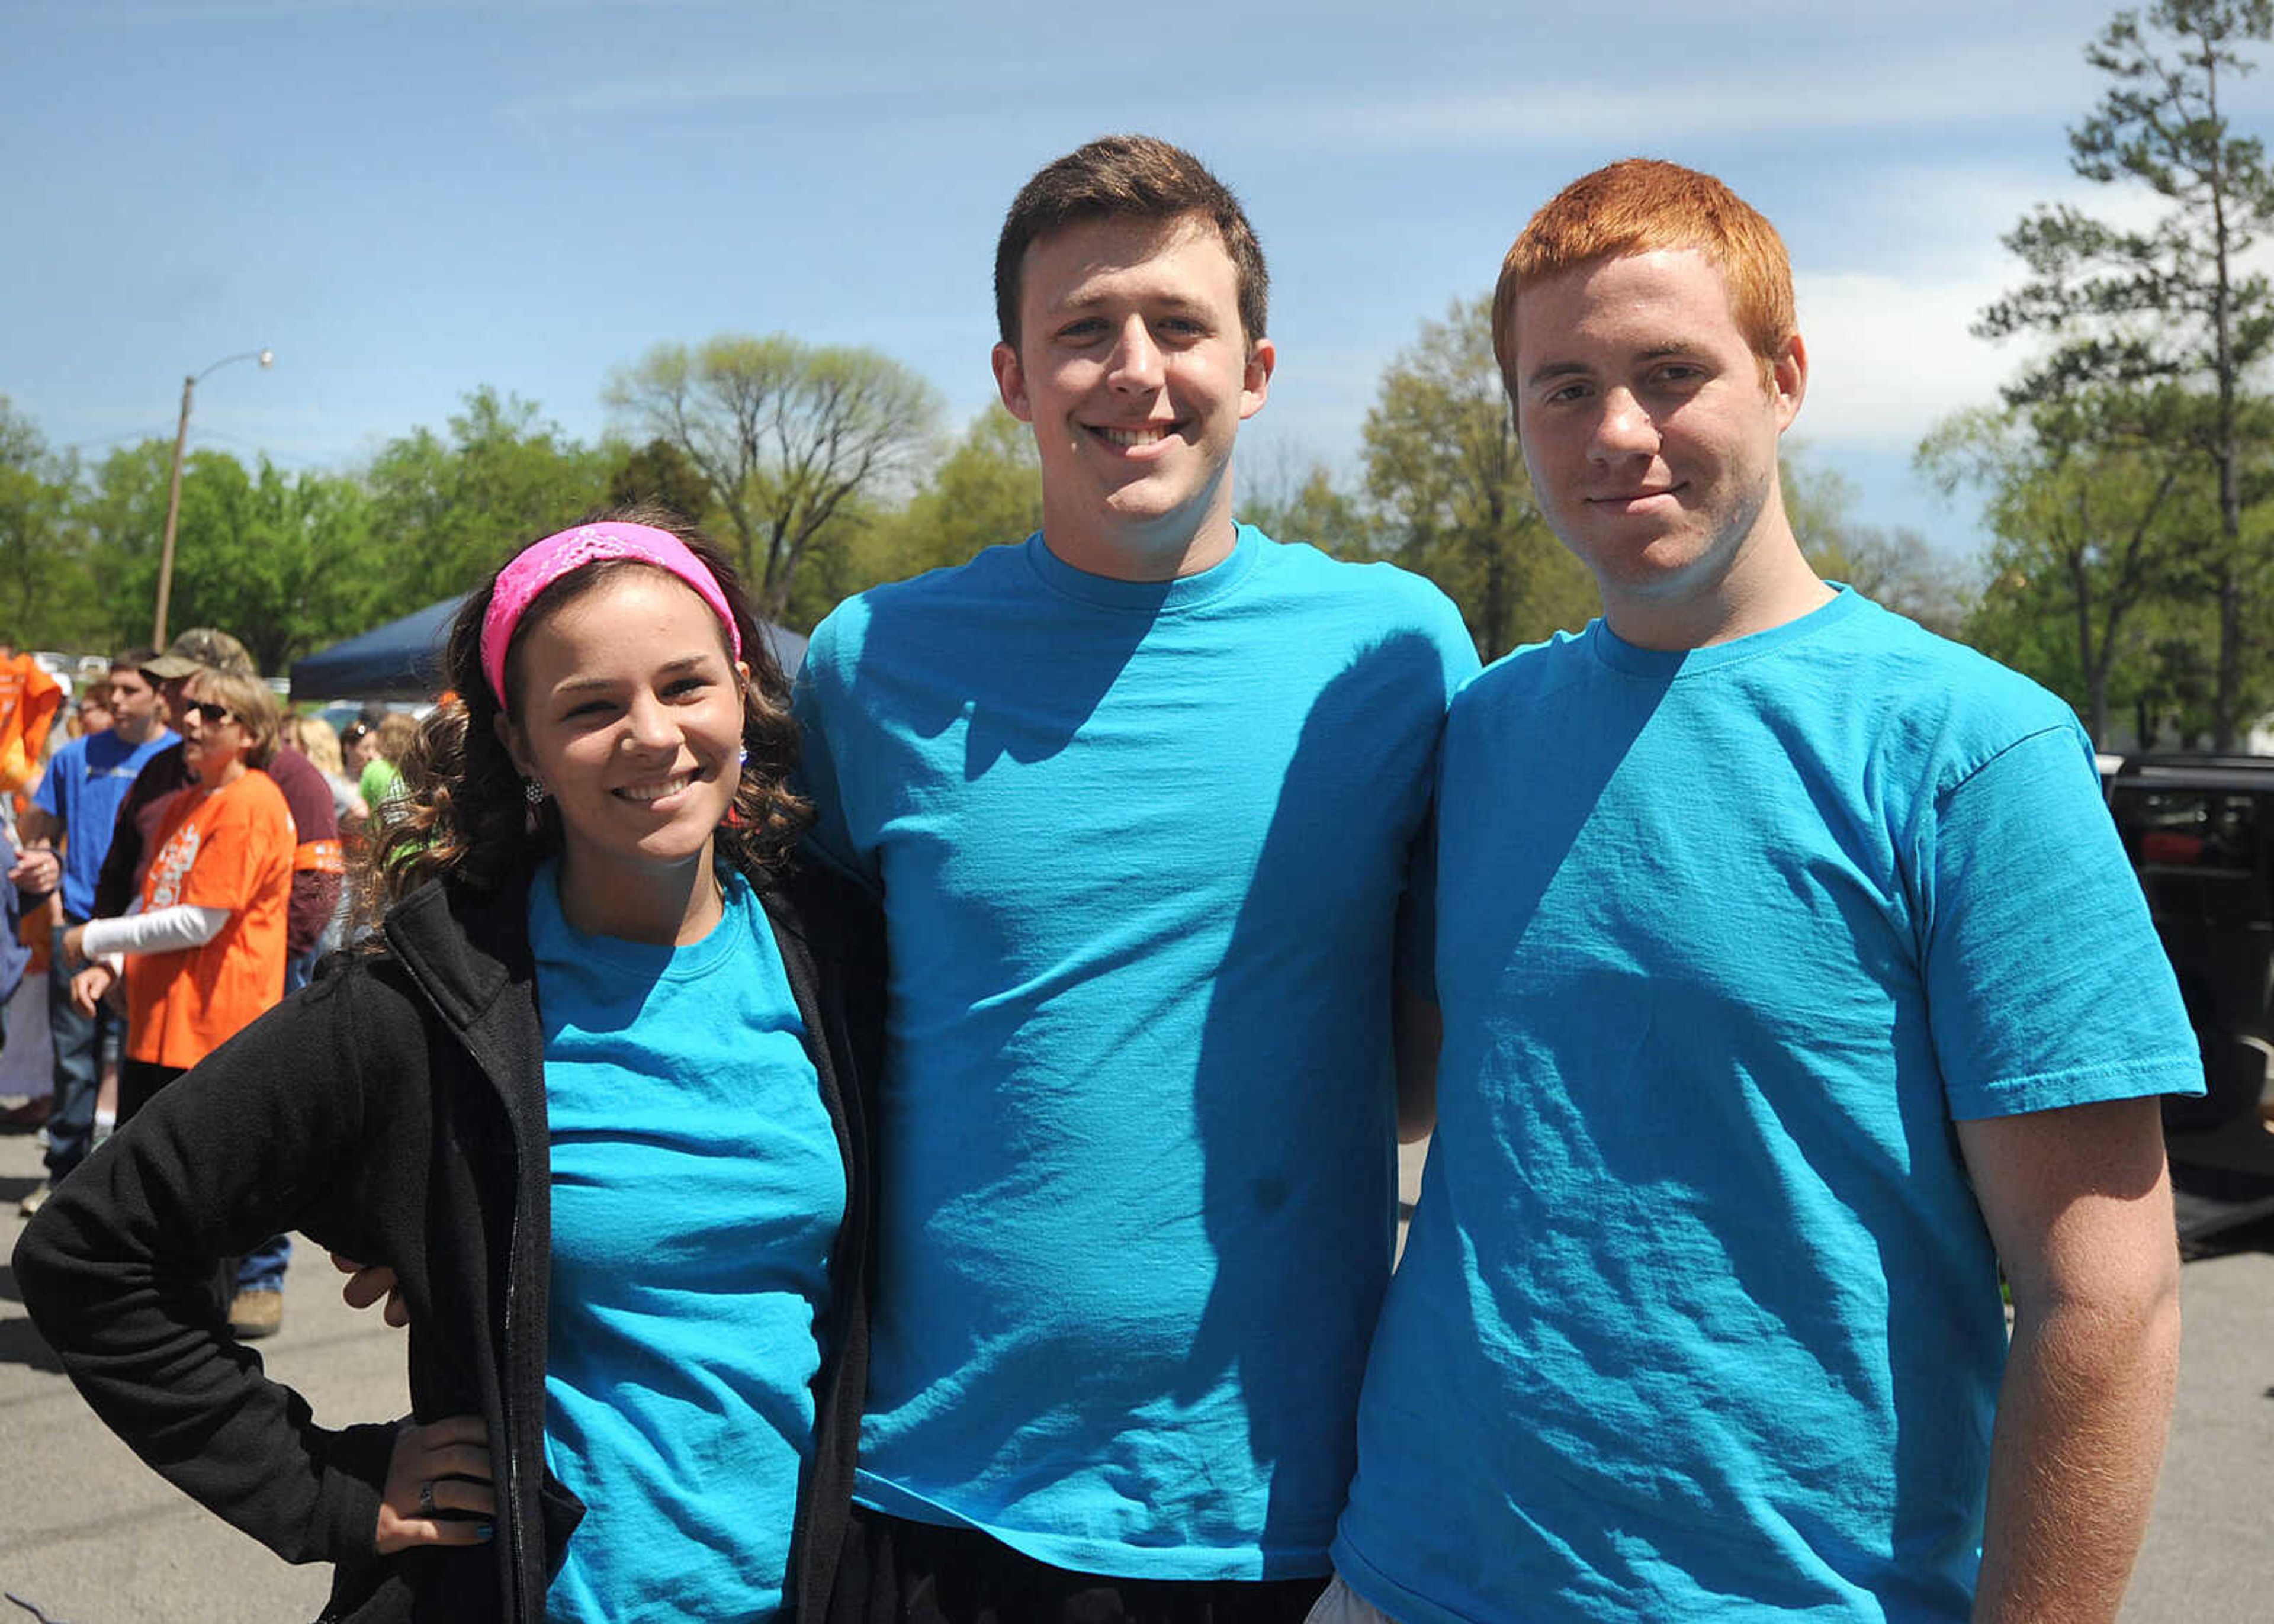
(267, 358)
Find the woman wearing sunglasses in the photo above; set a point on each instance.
(204, 953)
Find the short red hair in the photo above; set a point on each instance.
(1640, 205)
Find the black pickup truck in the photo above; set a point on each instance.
(2199, 832)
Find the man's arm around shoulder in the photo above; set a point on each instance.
(2078, 1201)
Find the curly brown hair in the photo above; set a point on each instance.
(463, 816)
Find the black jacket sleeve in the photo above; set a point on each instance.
(274, 1130)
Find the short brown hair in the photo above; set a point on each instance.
(249, 701)
(1640, 205)
(1127, 177)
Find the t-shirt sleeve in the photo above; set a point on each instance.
(49, 796)
(2046, 984)
(822, 707)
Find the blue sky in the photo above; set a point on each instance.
(408, 200)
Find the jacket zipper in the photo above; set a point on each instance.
(517, 1491)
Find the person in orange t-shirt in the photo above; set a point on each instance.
(205, 953)
(29, 698)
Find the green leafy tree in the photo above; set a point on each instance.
(283, 562)
(44, 582)
(2090, 526)
(793, 439)
(1292, 502)
(1899, 569)
(986, 492)
(870, 543)
(2132, 309)
(2173, 679)
(446, 510)
(123, 512)
(1903, 570)
(1445, 475)
(659, 471)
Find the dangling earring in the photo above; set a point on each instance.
(742, 758)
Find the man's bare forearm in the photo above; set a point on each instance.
(2082, 1415)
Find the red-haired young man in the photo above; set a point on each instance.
(1794, 982)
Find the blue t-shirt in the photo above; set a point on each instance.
(1697, 1317)
(1141, 847)
(82, 789)
(697, 1188)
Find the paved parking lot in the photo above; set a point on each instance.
(90, 1536)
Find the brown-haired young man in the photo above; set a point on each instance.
(1794, 981)
(1139, 794)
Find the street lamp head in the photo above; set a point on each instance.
(267, 358)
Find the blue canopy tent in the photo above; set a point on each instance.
(402, 659)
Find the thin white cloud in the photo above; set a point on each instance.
(1889, 357)
(1453, 107)
(1891, 347)
(804, 76)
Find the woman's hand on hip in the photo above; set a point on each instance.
(439, 1489)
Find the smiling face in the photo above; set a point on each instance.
(1132, 367)
(1651, 439)
(628, 710)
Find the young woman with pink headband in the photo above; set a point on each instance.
(596, 1097)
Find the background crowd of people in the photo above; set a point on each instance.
(175, 844)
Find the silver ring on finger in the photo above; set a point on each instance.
(426, 1505)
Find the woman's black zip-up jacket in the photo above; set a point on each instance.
(395, 1112)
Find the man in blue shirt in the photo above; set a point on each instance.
(1142, 795)
(73, 809)
(1794, 983)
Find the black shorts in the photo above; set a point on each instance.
(894, 1571)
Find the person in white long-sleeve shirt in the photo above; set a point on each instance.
(203, 951)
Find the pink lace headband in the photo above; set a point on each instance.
(541, 563)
